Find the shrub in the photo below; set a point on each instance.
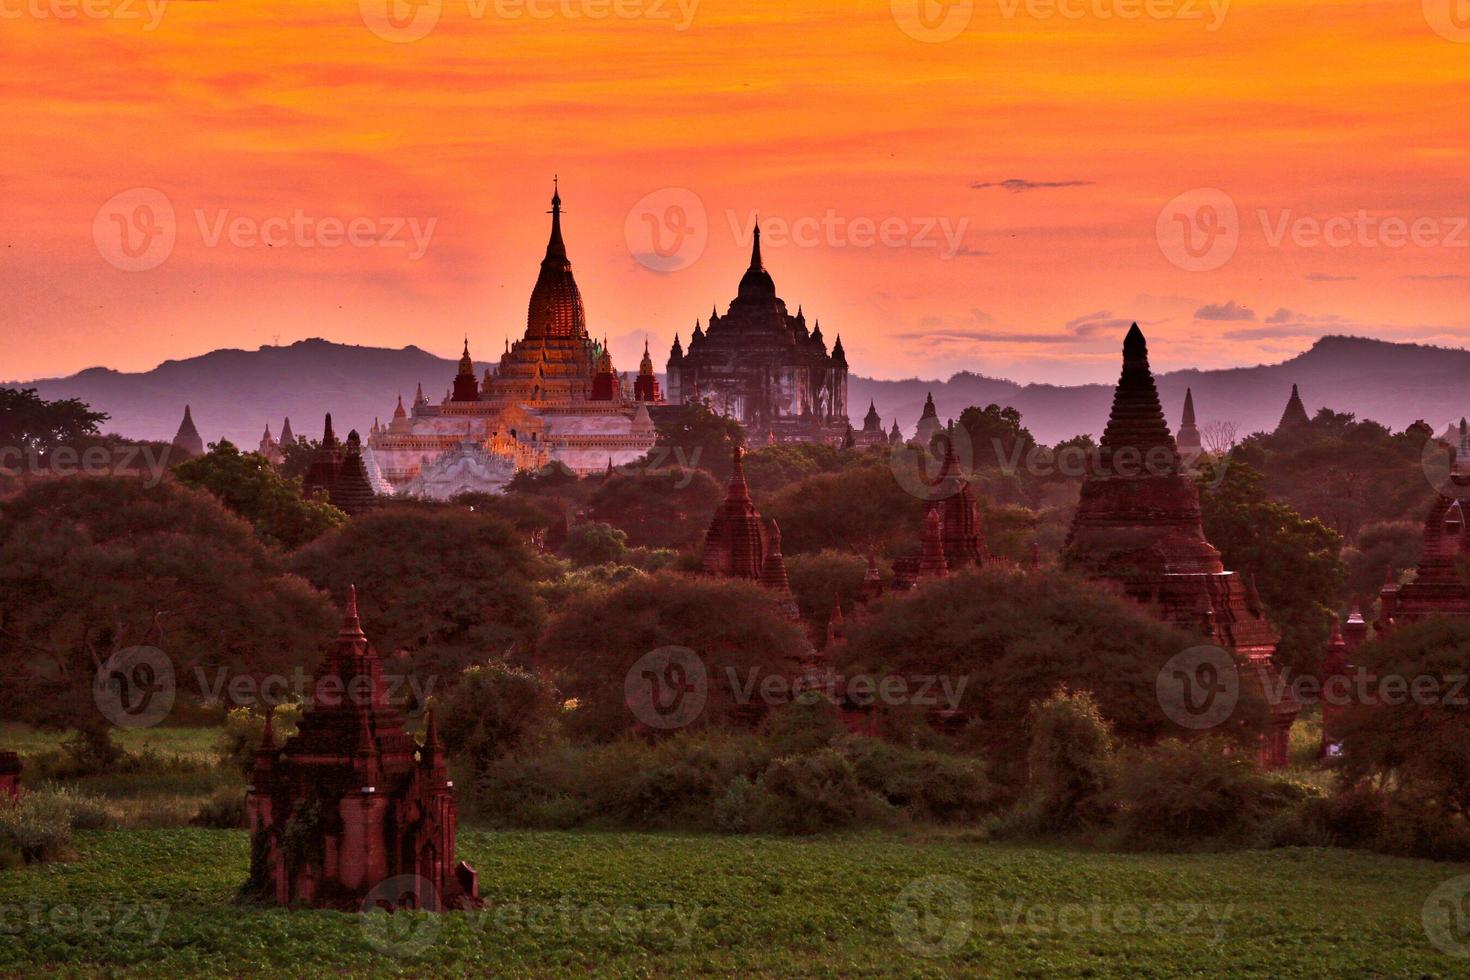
(496, 708)
(1175, 795)
(803, 724)
(38, 826)
(1069, 763)
(595, 543)
(244, 729)
(225, 810)
(926, 785)
(804, 794)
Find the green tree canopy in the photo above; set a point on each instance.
(736, 629)
(249, 485)
(442, 587)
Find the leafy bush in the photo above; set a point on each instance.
(245, 728)
(38, 826)
(225, 810)
(926, 785)
(804, 794)
(1069, 763)
(1175, 795)
(496, 708)
(595, 543)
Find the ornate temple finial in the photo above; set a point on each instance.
(351, 624)
(755, 248)
(556, 249)
(1188, 418)
(329, 438)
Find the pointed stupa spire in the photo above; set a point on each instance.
(1188, 418)
(555, 247)
(1188, 441)
(329, 438)
(1295, 413)
(286, 434)
(398, 412)
(933, 564)
(187, 438)
(1136, 422)
(757, 282)
(773, 571)
(351, 624)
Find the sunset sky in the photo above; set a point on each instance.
(1031, 175)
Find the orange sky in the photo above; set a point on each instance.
(833, 118)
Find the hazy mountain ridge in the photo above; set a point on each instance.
(234, 393)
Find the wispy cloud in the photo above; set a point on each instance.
(1325, 277)
(1016, 184)
(1224, 311)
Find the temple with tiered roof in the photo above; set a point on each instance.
(553, 397)
(1138, 523)
(351, 803)
(1437, 588)
(761, 365)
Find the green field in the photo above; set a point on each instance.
(161, 901)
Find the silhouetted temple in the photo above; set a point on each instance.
(1138, 523)
(187, 438)
(351, 800)
(1437, 588)
(340, 473)
(760, 365)
(738, 544)
(1295, 414)
(1189, 445)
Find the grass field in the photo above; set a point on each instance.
(162, 902)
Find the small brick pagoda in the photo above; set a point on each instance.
(1138, 523)
(1437, 589)
(738, 544)
(351, 800)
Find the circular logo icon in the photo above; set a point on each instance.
(1446, 917)
(934, 470)
(1198, 688)
(1438, 460)
(401, 916)
(667, 230)
(1199, 230)
(401, 21)
(933, 916)
(667, 688)
(135, 687)
(1450, 19)
(932, 21)
(135, 230)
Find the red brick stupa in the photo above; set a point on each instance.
(1138, 523)
(738, 544)
(1437, 589)
(351, 801)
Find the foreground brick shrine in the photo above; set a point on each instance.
(351, 801)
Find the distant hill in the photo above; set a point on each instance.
(234, 393)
